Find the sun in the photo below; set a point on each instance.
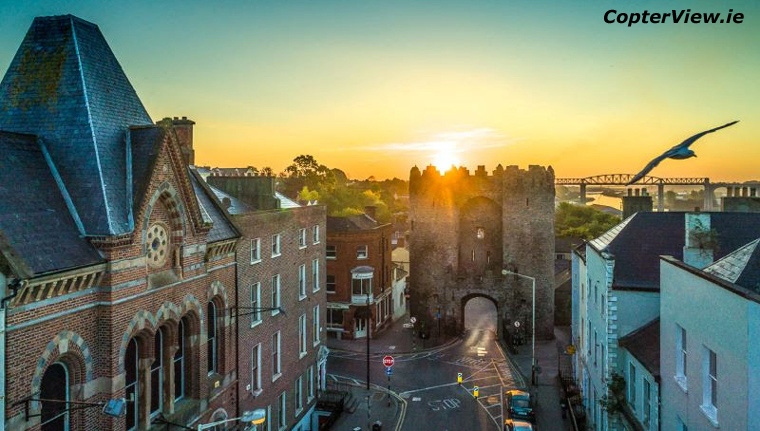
(444, 159)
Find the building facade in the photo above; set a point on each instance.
(118, 274)
(281, 268)
(467, 229)
(621, 290)
(710, 352)
(359, 274)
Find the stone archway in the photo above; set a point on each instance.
(480, 311)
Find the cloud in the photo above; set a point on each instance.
(454, 142)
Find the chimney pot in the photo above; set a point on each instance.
(371, 211)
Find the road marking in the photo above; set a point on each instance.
(430, 387)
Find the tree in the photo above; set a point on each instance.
(267, 171)
(580, 221)
(306, 172)
(307, 195)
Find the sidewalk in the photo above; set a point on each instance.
(379, 410)
(547, 392)
(392, 339)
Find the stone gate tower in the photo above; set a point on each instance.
(465, 229)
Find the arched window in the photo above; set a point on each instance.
(219, 415)
(55, 386)
(212, 339)
(157, 373)
(179, 362)
(132, 389)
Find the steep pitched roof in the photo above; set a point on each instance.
(211, 210)
(66, 86)
(34, 219)
(644, 345)
(741, 267)
(638, 241)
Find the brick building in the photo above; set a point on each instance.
(280, 261)
(116, 266)
(359, 267)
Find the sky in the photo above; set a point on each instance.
(375, 87)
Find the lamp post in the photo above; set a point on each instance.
(533, 325)
(255, 418)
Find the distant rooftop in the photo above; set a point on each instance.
(351, 223)
(741, 267)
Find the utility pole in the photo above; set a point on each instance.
(369, 328)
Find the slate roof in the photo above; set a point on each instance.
(286, 202)
(351, 223)
(34, 218)
(638, 241)
(644, 345)
(741, 267)
(65, 85)
(211, 210)
(236, 205)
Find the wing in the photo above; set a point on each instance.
(651, 165)
(691, 140)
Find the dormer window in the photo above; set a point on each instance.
(480, 233)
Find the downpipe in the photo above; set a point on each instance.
(14, 287)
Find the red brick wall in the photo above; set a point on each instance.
(263, 225)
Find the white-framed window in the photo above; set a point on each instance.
(331, 252)
(302, 336)
(269, 418)
(681, 352)
(255, 250)
(315, 325)
(361, 286)
(302, 238)
(281, 420)
(315, 275)
(480, 233)
(362, 252)
(330, 283)
(276, 249)
(647, 395)
(276, 363)
(255, 304)
(632, 386)
(710, 384)
(212, 339)
(298, 395)
(604, 305)
(275, 294)
(256, 369)
(315, 234)
(302, 281)
(310, 383)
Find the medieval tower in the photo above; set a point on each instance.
(466, 229)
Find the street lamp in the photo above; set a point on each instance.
(115, 407)
(533, 325)
(255, 418)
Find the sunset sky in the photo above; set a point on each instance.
(374, 87)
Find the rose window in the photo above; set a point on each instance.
(158, 245)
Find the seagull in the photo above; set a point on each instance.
(679, 152)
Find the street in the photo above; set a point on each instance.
(427, 381)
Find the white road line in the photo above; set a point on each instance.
(429, 388)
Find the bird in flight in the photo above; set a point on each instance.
(679, 152)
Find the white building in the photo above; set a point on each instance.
(620, 293)
(399, 302)
(710, 360)
(639, 360)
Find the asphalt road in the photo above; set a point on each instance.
(427, 381)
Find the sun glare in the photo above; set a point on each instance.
(443, 160)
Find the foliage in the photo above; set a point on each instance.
(305, 172)
(615, 400)
(580, 221)
(308, 195)
(706, 239)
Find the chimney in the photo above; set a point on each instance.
(700, 241)
(635, 202)
(256, 191)
(183, 128)
(371, 211)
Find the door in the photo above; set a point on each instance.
(360, 328)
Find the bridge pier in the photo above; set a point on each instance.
(660, 197)
(583, 194)
(708, 198)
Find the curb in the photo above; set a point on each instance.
(401, 402)
(525, 379)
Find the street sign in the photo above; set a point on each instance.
(475, 391)
(517, 324)
(388, 361)
(389, 371)
(459, 378)
(413, 319)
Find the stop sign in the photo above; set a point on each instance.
(388, 361)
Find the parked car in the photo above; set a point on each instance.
(513, 425)
(519, 405)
